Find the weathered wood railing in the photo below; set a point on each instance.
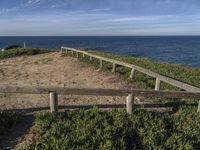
(130, 93)
(134, 68)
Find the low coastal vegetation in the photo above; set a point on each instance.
(94, 129)
(176, 71)
(7, 120)
(22, 51)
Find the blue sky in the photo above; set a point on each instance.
(99, 17)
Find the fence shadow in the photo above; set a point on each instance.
(86, 107)
(18, 133)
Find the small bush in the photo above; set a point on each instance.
(22, 51)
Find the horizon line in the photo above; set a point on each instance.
(87, 35)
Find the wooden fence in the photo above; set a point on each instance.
(191, 91)
(134, 68)
(129, 93)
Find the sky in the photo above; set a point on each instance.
(99, 17)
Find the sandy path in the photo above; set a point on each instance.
(53, 70)
(49, 70)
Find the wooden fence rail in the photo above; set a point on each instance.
(130, 93)
(134, 68)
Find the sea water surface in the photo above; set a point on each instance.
(171, 49)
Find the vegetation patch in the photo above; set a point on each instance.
(94, 129)
(176, 71)
(44, 61)
(7, 120)
(22, 51)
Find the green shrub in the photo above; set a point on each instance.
(22, 51)
(84, 130)
(117, 130)
(7, 120)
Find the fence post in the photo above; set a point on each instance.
(72, 53)
(101, 64)
(83, 55)
(198, 109)
(132, 73)
(77, 54)
(157, 86)
(90, 58)
(61, 50)
(66, 51)
(53, 102)
(25, 45)
(113, 68)
(130, 103)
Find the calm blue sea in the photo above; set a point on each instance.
(172, 49)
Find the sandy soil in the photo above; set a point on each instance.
(53, 70)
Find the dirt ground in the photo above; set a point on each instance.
(53, 70)
(50, 70)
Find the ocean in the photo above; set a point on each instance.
(170, 49)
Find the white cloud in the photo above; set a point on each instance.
(27, 4)
(101, 9)
(4, 11)
(33, 3)
(58, 5)
(140, 18)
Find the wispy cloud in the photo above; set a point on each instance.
(27, 4)
(141, 18)
(34, 3)
(58, 5)
(100, 9)
(4, 11)
(90, 17)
